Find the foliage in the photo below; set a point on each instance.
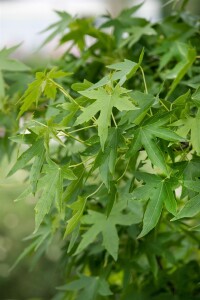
(113, 155)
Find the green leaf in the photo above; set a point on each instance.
(126, 69)
(192, 185)
(135, 34)
(88, 287)
(154, 152)
(196, 95)
(10, 64)
(106, 99)
(111, 198)
(187, 56)
(153, 210)
(191, 125)
(57, 28)
(106, 160)
(191, 208)
(42, 84)
(170, 201)
(36, 170)
(107, 227)
(144, 102)
(73, 189)
(35, 150)
(52, 188)
(123, 71)
(77, 208)
(147, 135)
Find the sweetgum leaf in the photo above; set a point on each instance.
(42, 84)
(106, 99)
(147, 135)
(107, 227)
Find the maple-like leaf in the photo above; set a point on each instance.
(185, 55)
(146, 135)
(106, 225)
(136, 32)
(52, 187)
(106, 98)
(123, 71)
(57, 28)
(42, 84)
(157, 191)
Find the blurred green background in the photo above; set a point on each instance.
(26, 281)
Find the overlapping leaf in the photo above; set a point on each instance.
(147, 135)
(107, 227)
(192, 206)
(106, 99)
(88, 287)
(43, 84)
(159, 191)
(52, 187)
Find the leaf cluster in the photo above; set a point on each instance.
(113, 155)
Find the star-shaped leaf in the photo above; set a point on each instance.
(107, 227)
(42, 84)
(159, 191)
(147, 135)
(105, 99)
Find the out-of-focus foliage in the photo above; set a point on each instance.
(113, 155)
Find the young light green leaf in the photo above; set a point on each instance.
(77, 208)
(126, 69)
(43, 84)
(106, 99)
(123, 71)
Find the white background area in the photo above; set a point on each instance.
(22, 20)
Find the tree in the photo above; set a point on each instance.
(113, 154)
